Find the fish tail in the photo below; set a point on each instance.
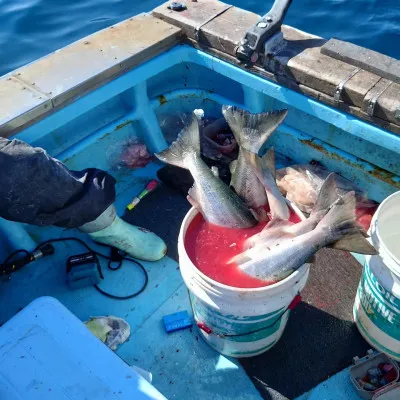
(186, 145)
(251, 131)
(265, 170)
(340, 229)
(327, 195)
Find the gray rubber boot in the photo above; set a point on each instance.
(138, 242)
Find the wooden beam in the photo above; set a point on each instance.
(369, 60)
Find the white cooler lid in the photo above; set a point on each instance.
(48, 353)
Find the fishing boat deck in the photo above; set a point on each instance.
(81, 101)
(320, 338)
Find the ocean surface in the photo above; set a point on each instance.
(33, 28)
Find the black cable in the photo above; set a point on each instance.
(13, 254)
(130, 296)
(111, 259)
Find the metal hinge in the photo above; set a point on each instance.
(397, 114)
(337, 96)
(372, 102)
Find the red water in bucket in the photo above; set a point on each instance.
(210, 248)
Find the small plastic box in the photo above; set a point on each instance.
(362, 365)
(177, 321)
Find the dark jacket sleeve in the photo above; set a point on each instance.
(40, 190)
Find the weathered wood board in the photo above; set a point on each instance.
(79, 68)
(380, 64)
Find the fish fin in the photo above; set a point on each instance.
(270, 237)
(193, 198)
(254, 212)
(278, 223)
(215, 171)
(252, 130)
(193, 202)
(355, 243)
(280, 233)
(187, 143)
(193, 192)
(311, 260)
(261, 214)
(240, 259)
(268, 161)
(342, 213)
(364, 232)
(339, 225)
(327, 195)
(232, 166)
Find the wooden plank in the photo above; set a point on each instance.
(323, 98)
(99, 58)
(389, 103)
(227, 30)
(356, 111)
(306, 65)
(380, 64)
(358, 86)
(20, 103)
(387, 95)
(196, 14)
(375, 93)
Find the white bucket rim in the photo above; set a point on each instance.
(193, 212)
(375, 228)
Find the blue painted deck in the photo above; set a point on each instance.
(338, 387)
(89, 132)
(180, 361)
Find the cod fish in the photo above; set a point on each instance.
(248, 186)
(279, 229)
(214, 199)
(264, 169)
(337, 229)
(251, 131)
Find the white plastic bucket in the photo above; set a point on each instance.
(377, 305)
(238, 322)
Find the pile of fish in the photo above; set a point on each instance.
(282, 247)
(301, 184)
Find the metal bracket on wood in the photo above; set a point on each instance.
(339, 90)
(251, 45)
(197, 29)
(272, 47)
(372, 102)
(397, 114)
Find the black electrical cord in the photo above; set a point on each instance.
(110, 260)
(14, 253)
